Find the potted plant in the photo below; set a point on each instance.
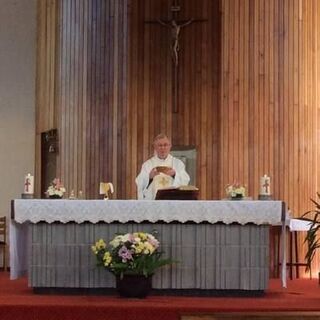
(312, 239)
(133, 258)
(56, 189)
(236, 191)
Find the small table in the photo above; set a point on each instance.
(295, 226)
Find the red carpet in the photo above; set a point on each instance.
(17, 301)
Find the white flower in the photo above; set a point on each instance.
(235, 189)
(56, 188)
(116, 241)
(126, 237)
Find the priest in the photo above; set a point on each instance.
(161, 171)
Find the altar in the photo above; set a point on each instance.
(219, 245)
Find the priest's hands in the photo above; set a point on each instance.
(170, 172)
(153, 173)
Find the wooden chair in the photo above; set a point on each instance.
(3, 241)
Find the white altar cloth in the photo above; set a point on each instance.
(242, 212)
(299, 225)
(94, 211)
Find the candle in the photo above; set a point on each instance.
(28, 184)
(265, 185)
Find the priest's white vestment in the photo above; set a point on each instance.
(147, 190)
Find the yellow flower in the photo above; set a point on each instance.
(148, 248)
(107, 259)
(142, 236)
(94, 249)
(100, 244)
(138, 248)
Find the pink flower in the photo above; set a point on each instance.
(125, 254)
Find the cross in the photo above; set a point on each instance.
(175, 25)
(27, 184)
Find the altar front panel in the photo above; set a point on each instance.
(210, 256)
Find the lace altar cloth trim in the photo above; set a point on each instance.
(242, 212)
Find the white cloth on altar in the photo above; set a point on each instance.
(148, 192)
(79, 211)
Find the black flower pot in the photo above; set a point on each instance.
(55, 196)
(238, 196)
(133, 286)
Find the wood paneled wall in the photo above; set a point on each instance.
(151, 75)
(270, 82)
(112, 85)
(248, 92)
(92, 93)
(46, 115)
(269, 105)
(89, 81)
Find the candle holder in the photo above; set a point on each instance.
(27, 195)
(265, 197)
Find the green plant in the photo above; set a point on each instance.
(312, 239)
(132, 253)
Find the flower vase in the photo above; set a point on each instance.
(55, 196)
(133, 286)
(238, 196)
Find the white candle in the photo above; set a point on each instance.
(28, 184)
(265, 185)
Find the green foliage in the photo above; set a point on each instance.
(312, 239)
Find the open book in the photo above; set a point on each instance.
(178, 193)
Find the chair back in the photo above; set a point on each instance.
(3, 231)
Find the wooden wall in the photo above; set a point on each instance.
(46, 115)
(112, 85)
(151, 76)
(89, 79)
(269, 105)
(270, 81)
(248, 92)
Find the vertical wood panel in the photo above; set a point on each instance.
(197, 121)
(46, 115)
(283, 98)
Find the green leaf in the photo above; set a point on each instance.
(311, 237)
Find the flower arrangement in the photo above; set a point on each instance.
(236, 190)
(56, 189)
(130, 254)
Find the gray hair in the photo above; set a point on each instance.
(160, 136)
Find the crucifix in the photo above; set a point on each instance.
(175, 25)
